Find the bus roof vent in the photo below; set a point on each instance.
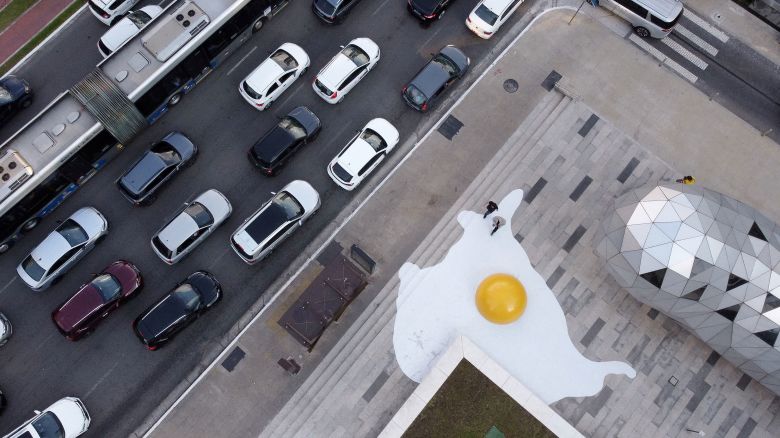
(14, 171)
(175, 30)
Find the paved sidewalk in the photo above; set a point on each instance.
(28, 25)
(350, 384)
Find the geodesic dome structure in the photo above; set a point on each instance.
(706, 260)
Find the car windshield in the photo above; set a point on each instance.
(251, 92)
(166, 152)
(164, 250)
(446, 64)
(72, 232)
(187, 296)
(199, 214)
(288, 205)
(356, 54)
(5, 95)
(486, 14)
(285, 60)
(48, 426)
(108, 286)
(416, 96)
(139, 18)
(374, 139)
(33, 269)
(293, 127)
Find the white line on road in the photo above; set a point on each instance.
(241, 60)
(313, 256)
(695, 39)
(291, 94)
(714, 31)
(379, 8)
(687, 54)
(663, 58)
(8, 284)
(100, 380)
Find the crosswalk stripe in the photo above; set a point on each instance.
(695, 39)
(687, 54)
(717, 33)
(682, 71)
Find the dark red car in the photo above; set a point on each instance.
(82, 312)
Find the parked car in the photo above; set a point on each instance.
(274, 75)
(346, 69)
(276, 146)
(177, 309)
(332, 11)
(15, 94)
(489, 15)
(95, 300)
(159, 164)
(275, 221)
(428, 11)
(363, 153)
(439, 73)
(126, 28)
(3, 402)
(66, 418)
(110, 11)
(62, 248)
(6, 330)
(191, 225)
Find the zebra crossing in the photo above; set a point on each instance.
(688, 49)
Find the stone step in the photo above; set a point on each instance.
(308, 403)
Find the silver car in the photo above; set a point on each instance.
(191, 225)
(62, 248)
(275, 221)
(5, 329)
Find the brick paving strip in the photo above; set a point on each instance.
(15, 36)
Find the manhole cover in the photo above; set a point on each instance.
(510, 85)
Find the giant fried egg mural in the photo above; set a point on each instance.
(486, 289)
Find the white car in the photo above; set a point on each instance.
(346, 69)
(489, 15)
(62, 248)
(110, 11)
(191, 225)
(275, 221)
(269, 80)
(363, 153)
(66, 418)
(6, 330)
(126, 28)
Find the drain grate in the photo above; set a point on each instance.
(510, 85)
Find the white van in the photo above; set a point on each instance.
(650, 18)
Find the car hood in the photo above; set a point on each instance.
(73, 419)
(459, 58)
(216, 203)
(126, 273)
(160, 316)
(385, 129)
(183, 145)
(305, 117)
(91, 220)
(81, 305)
(304, 193)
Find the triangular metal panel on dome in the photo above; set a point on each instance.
(759, 269)
(629, 243)
(652, 208)
(639, 232)
(673, 283)
(633, 259)
(711, 302)
(757, 245)
(739, 334)
(655, 194)
(722, 339)
(727, 300)
(694, 295)
(686, 232)
(716, 247)
(771, 302)
(749, 352)
(734, 282)
(732, 254)
(704, 253)
(682, 211)
(751, 291)
(755, 303)
(719, 278)
(650, 264)
(756, 232)
(681, 261)
(774, 280)
(765, 323)
(625, 278)
(746, 312)
(670, 229)
(762, 281)
(661, 252)
(656, 237)
(769, 336)
(773, 315)
(738, 293)
(669, 192)
(639, 216)
(753, 371)
(686, 309)
(729, 313)
(749, 323)
(710, 333)
(668, 214)
(707, 207)
(695, 221)
(734, 357)
(626, 212)
(697, 320)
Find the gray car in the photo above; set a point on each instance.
(191, 225)
(155, 167)
(62, 248)
(5, 329)
(439, 73)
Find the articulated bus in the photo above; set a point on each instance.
(84, 127)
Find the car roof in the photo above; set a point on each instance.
(143, 172)
(273, 144)
(215, 202)
(356, 156)
(178, 230)
(50, 250)
(264, 75)
(336, 71)
(162, 315)
(430, 78)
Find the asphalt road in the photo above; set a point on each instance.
(118, 379)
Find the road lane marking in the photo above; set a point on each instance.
(278, 292)
(695, 39)
(687, 54)
(663, 58)
(100, 380)
(291, 94)
(8, 284)
(241, 60)
(712, 30)
(379, 8)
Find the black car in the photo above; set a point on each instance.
(332, 11)
(199, 292)
(294, 130)
(441, 71)
(156, 166)
(15, 94)
(428, 10)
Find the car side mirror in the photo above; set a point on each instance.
(273, 193)
(341, 47)
(37, 412)
(300, 222)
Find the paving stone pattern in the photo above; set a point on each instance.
(551, 157)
